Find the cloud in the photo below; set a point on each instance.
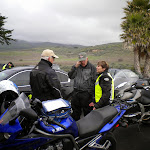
(85, 22)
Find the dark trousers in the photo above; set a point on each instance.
(80, 101)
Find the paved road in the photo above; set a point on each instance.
(135, 137)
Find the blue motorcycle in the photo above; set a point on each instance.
(48, 125)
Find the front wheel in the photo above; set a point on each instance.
(108, 141)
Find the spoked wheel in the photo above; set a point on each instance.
(108, 141)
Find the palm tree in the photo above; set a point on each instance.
(137, 32)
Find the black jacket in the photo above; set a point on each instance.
(44, 82)
(105, 82)
(84, 77)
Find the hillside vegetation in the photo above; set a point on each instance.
(28, 53)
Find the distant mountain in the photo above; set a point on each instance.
(22, 45)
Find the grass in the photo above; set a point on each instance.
(114, 54)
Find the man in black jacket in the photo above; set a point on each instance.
(84, 75)
(43, 79)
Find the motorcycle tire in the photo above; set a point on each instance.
(111, 138)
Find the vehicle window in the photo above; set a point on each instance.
(21, 79)
(3, 75)
(6, 73)
(62, 77)
(55, 66)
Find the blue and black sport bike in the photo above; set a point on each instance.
(48, 125)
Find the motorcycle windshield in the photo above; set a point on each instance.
(14, 109)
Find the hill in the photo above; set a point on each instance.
(24, 45)
(28, 53)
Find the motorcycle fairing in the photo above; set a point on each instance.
(7, 128)
(68, 122)
(93, 122)
(59, 110)
(11, 113)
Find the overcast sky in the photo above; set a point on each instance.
(85, 22)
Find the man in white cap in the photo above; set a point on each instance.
(43, 79)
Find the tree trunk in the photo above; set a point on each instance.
(137, 61)
(146, 73)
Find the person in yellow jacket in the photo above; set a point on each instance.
(104, 86)
(7, 66)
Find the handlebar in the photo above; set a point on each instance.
(50, 120)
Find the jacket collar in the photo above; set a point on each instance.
(104, 72)
(46, 62)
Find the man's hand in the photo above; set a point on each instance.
(77, 64)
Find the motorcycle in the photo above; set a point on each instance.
(138, 97)
(48, 125)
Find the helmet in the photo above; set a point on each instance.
(8, 92)
(7, 85)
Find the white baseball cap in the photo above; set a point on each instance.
(48, 53)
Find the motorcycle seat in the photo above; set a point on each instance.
(93, 122)
(145, 98)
